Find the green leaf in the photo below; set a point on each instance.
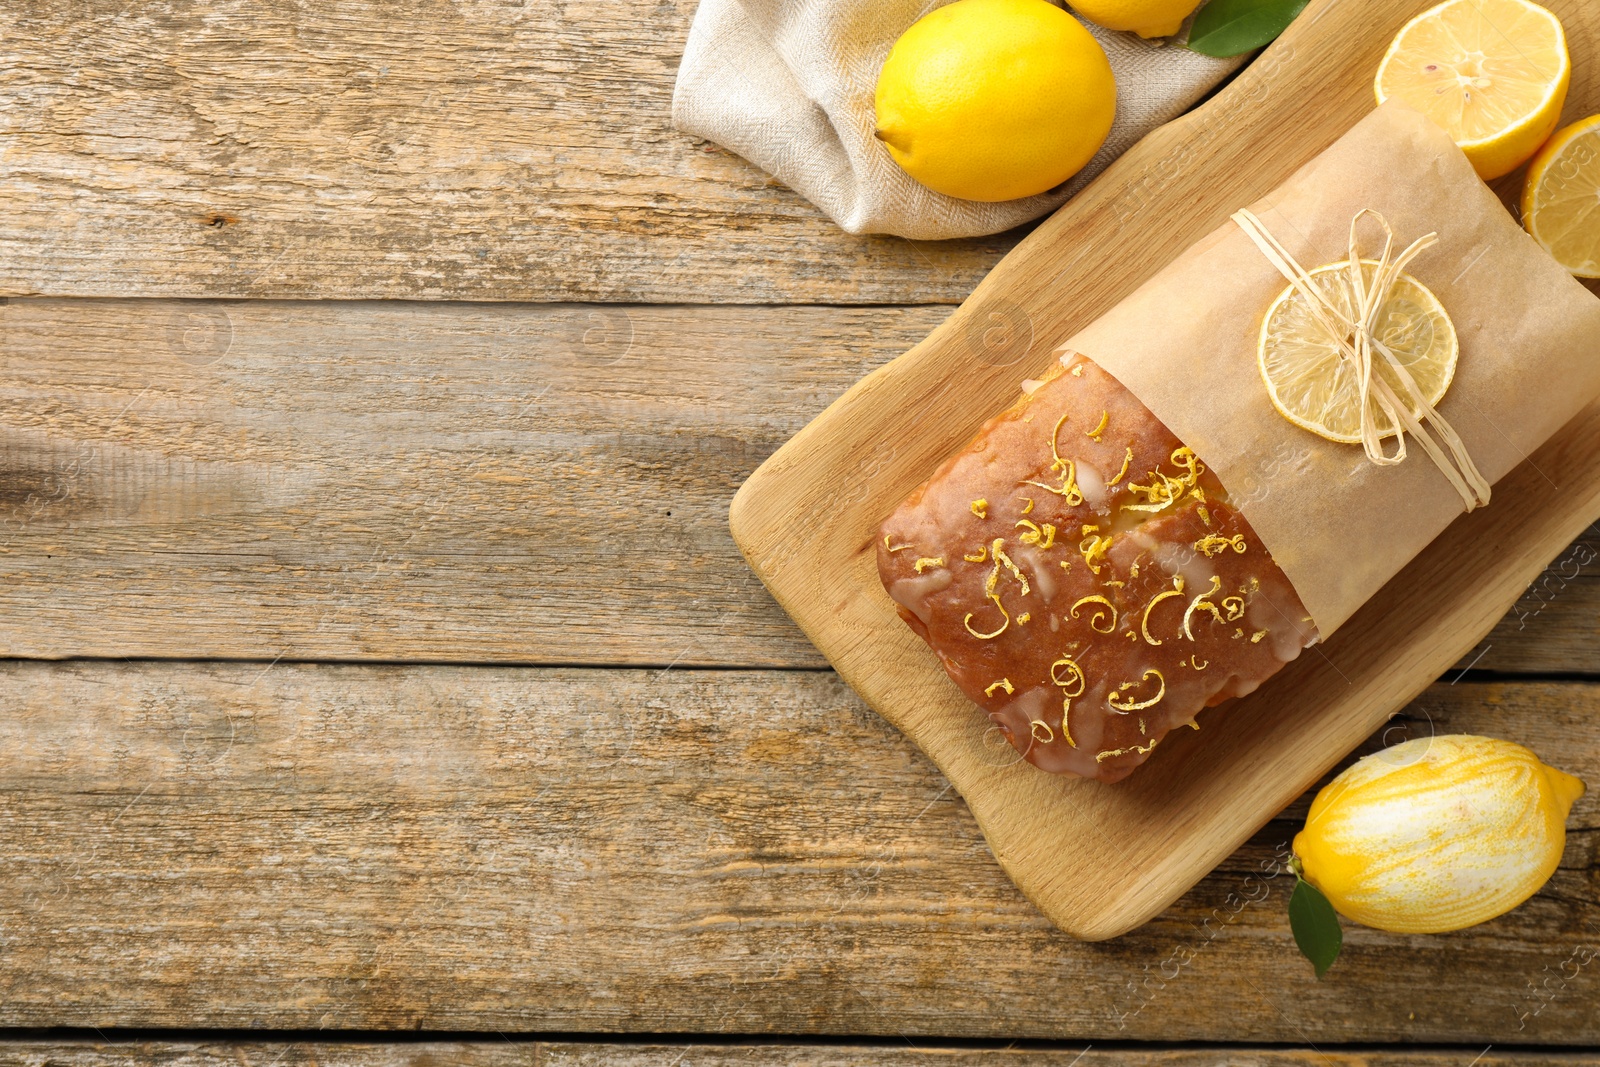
(1315, 925)
(1232, 27)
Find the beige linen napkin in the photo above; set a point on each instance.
(788, 84)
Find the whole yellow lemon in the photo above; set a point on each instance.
(1437, 834)
(1147, 18)
(995, 99)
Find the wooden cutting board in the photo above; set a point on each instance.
(1098, 859)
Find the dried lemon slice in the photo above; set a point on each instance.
(1315, 386)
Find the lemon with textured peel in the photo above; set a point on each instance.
(1493, 73)
(995, 99)
(1561, 199)
(1147, 18)
(1437, 834)
(1315, 386)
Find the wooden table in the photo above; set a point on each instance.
(382, 686)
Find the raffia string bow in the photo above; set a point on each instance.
(1401, 401)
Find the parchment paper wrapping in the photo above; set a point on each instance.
(1338, 525)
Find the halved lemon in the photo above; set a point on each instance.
(1561, 200)
(1316, 387)
(1493, 73)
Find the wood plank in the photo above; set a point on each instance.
(571, 850)
(403, 481)
(1555, 625)
(443, 482)
(491, 151)
(506, 1053)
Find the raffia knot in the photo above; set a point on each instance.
(1401, 403)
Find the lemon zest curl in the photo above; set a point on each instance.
(1138, 705)
(1098, 616)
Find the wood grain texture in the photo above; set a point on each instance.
(413, 481)
(402, 481)
(1555, 624)
(508, 1053)
(493, 150)
(1159, 833)
(660, 851)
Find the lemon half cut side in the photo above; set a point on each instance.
(1561, 200)
(1493, 73)
(1317, 387)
